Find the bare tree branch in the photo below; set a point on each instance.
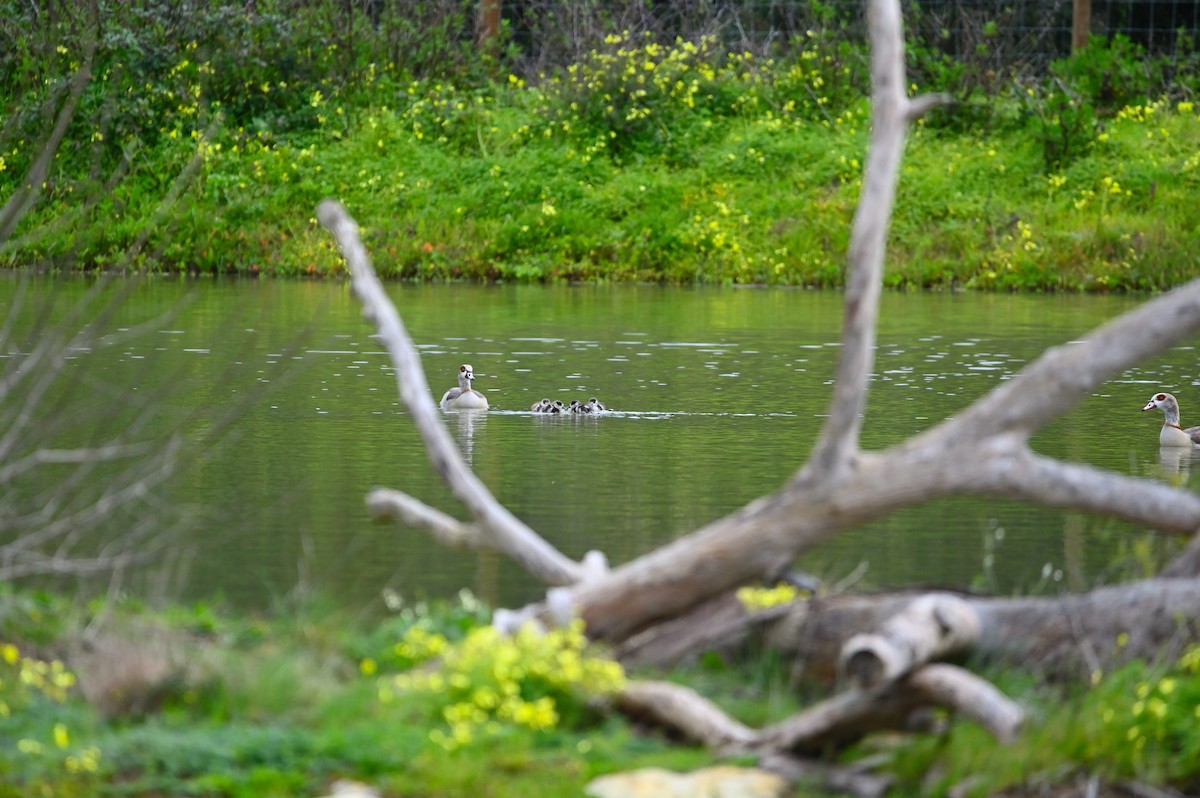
(692, 715)
(1063, 375)
(983, 450)
(1053, 483)
(384, 504)
(868, 239)
(932, 627)
(509, 533)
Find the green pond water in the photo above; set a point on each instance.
(289, 413)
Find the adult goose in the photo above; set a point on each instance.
(1172, 434)
(464, 397)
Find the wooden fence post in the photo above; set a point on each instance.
(1081, 19)
(489, 22)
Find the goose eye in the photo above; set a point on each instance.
(1160, 397)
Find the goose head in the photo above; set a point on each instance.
(1166, 403)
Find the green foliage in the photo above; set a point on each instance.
(487, 681)
(652, 160)
(1063, 121)
(1111, 73)
(1136, 723)
(404, 638)
(31, 692)
(1093, 83)
(282, 706)
(1145, 722)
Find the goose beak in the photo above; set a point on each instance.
(1149, 406)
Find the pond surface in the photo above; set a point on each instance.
(716, 396)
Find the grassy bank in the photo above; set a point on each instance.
(677, 163)
(188, 701)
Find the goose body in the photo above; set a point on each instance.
(464, 397)
(1172, 434)
(595, 405)
(541, 406)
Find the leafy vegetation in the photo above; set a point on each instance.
(1135, 724)
(646, 159)
(287, 705)
(284, 706)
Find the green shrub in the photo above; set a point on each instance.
(532, 679)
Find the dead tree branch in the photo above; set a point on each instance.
(983, 451)
(890, 114)
(507, 532)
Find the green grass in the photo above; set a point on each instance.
(646, 163)
(284, 705)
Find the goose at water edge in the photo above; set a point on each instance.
(1172, 434)
(464, 397)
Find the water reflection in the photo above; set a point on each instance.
(717, 397)
(465, 423)
(1177, 463)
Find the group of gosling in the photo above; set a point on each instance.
(592, 405)
(464, 397)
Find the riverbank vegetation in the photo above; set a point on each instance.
(194, 701)
(116, 698)
(203, 142)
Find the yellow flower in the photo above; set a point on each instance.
(31, 747)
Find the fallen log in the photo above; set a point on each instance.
(930, 627)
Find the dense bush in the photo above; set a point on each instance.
(707, 159)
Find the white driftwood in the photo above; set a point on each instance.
(891, 112)
(930, 627)
(849, 715)
(982, 451)
(832, 723)
(964, 692)
(687, 712)
(384, 504)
